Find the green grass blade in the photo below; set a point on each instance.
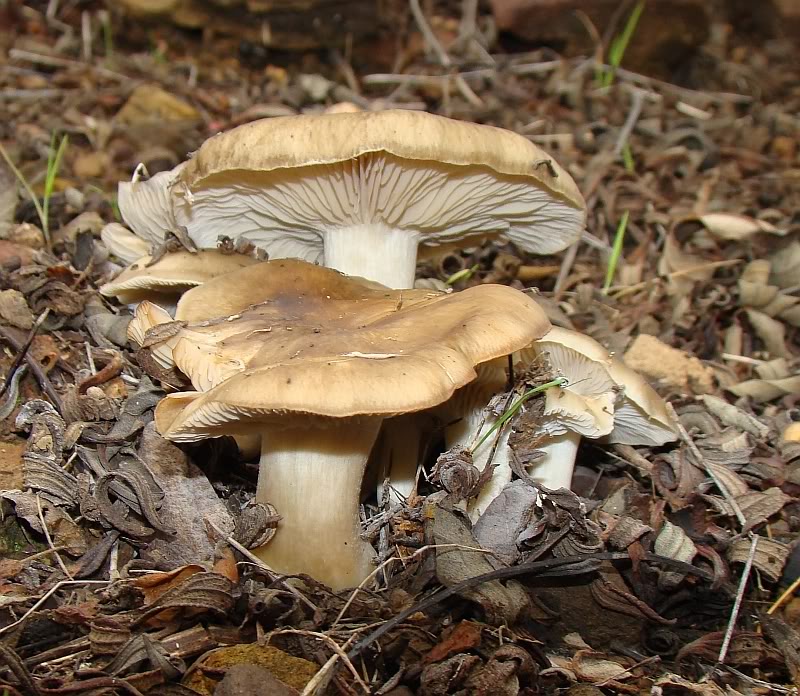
(54, 157)
(463, 274)
(616, 251)
(620, 43)
(516, 406)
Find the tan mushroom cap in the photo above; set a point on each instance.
(640, 415)
(173, 273)
(337, 349)
(228, 294)
(319, 139)
(328, 187)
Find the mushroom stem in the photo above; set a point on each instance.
(374, 251)
(312, 475)
(400, 451)
(465, 433)
(554, 470)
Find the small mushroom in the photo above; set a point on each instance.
(361, 192)
(602, 399)
(167, 278)
(313, 361)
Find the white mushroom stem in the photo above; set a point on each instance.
(465, 433)
(400, 451)
(374, 251)
(554, 470)
(312, 475)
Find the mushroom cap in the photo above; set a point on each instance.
(589, 416)
(146, 205)
(332, 347)
(641, 416)
(579, 358)
(123, 243)
(173, 273)
(285, 182)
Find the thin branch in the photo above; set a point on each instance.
(737, 605)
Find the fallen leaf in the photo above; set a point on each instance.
(771, 332)
(729, 414)
(150, 104)
(189, 499)
(770, 558)
(756, 506)
(501, 603)
(734, 227)
(465, 636)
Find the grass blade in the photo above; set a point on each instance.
(616, 251)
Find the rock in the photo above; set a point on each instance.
(668, 32)
(27, 235)
(149, 104)
(14, 309)
(253, 680)
(671, 366)
(91, 165)
(14, 255)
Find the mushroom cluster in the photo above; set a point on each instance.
(312, 362)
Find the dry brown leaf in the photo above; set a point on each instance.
(153, 585)
(465, 636)
(771, 332)
(770, 558)
(682, 269)
(673, 682)
(672, 542)
(588, 666)
(761, 390)
(786, 266)
(736, 417)
(756, 506)
(734, 227)
(735, 485)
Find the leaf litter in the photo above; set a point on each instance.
(125, 558)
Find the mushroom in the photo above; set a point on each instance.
(172, 274)
(602, 399)
(362, 191)
(123, 243)
(146, 205)
(313, 361)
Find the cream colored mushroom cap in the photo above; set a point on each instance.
(312, 139)
(173, 272)
(337, 351)
(641, 416)
(286, 183)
